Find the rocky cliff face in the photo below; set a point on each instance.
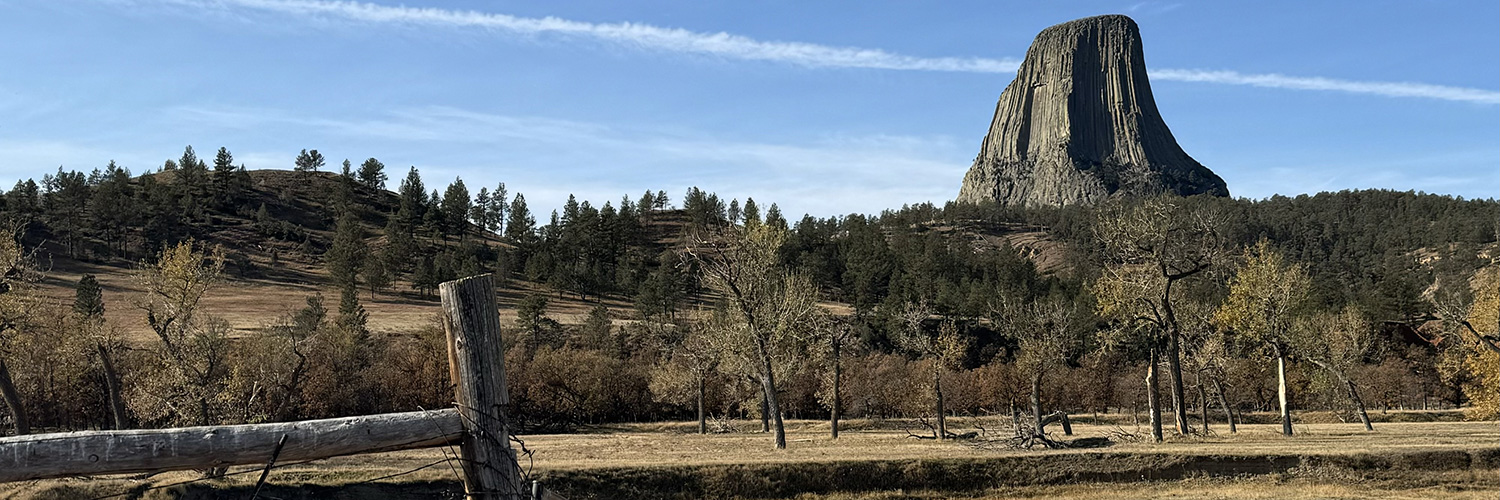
(1079, 124)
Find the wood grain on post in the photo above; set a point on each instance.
(41, 456)
(472, 321)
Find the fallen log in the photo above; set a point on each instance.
(40, 456)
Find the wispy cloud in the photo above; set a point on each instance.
(631, 34)
(1389, 89)
(730, 46)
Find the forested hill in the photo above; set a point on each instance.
(1375, 248)
(602, 303)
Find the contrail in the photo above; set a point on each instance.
(730, 46)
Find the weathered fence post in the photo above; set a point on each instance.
(477, 357)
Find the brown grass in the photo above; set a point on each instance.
(250, 305)
(1428, 456)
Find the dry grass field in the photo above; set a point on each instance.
(250, 305)
(1398, 460)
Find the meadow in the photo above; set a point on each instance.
(877, 459)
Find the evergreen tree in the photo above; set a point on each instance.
(352, 316)
(112, 210)
(88, 298)
(413, 196)
(425, 279)
(774, 218)
(648, 202)
(193, 173)
(347, 254)
(400, 247)
(65, 203)
(498, 207)
(308, 161)
(433, 219)
(227, 186)
(734, 211)
(456, 205)
(479, 214)
(377, 271)
(343, 192)
(752, 211)
(519, 224)
(372, 174)
(263, 220)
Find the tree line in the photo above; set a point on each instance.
(1339, 300)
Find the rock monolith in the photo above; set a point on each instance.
(1079, 125)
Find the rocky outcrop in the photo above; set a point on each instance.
(1079, 125)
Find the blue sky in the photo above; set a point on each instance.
(823, 107)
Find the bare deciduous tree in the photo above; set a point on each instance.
(18, 274)
(772, 311)
(837, 338)
(1047, 333)
(1152, 246)
(192, 349)
(944, 349)
(1338, 343)
(1265, 296)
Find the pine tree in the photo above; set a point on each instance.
(456, 205)
(498, 207)
(425, 278)
(400, 247)
(193, 173)
(752, 211)
(352, 315)
(433, 219)
(519, 225)
(112, 209)
(347, 254)
(774, 218)
(343, 193)
(648, 202)
(226, 186)
(372, 174)
(413, 196)
(377, 271)
(88, 298)
(308, 161)
(479, 214)
(263, 220)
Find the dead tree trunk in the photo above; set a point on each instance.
(765, 409)
(1202, 401)
(472, 320)
(1179, 395)
(1153, 400)
(1351, 390)
(1224, 401)
(1036, 403)
(112, 387)
(1359, 403)
(937, 388)
(702, 417)
(833, 413)
(773, 405)
(1281, 391)
(13, 401)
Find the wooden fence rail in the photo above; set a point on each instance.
(476, 365)
(40, 456)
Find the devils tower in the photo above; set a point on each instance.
(1079, 125)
